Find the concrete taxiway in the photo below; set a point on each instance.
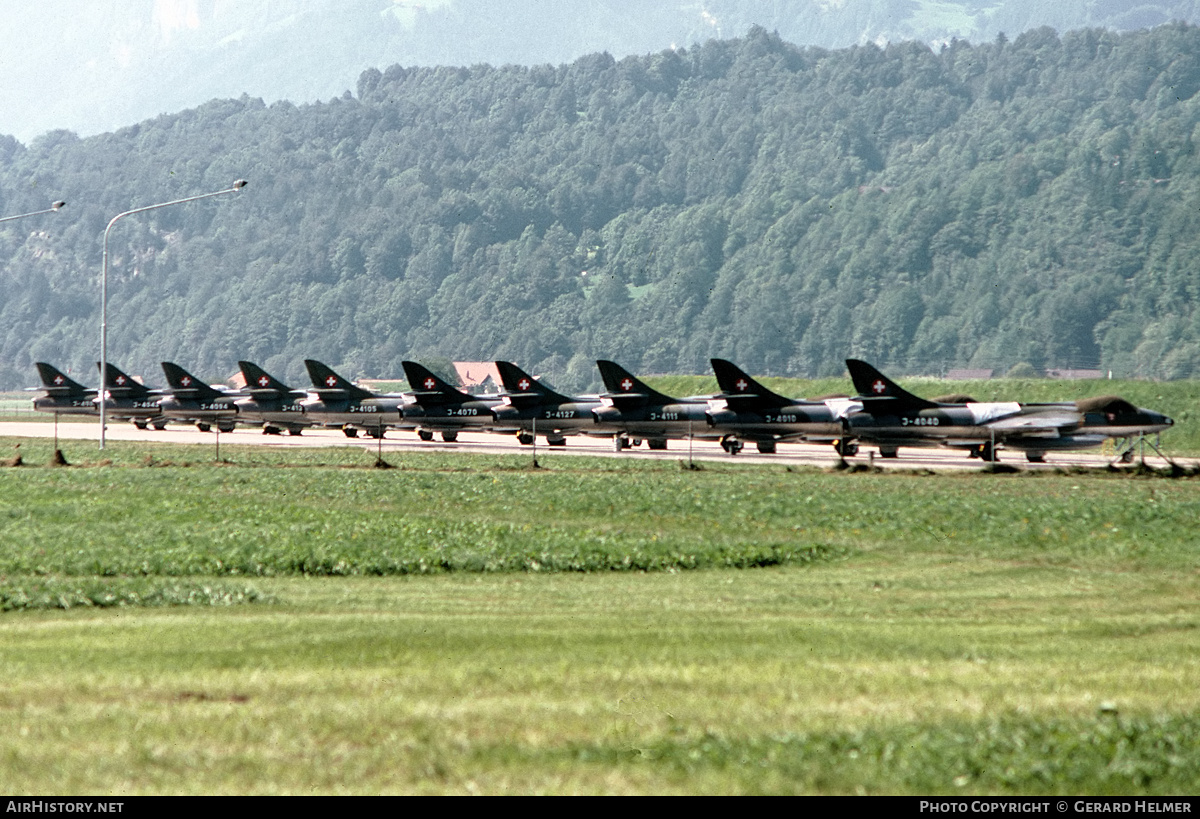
(495, 444)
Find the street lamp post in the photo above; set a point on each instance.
(54, 208)
(236, 186)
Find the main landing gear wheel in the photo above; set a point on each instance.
(524, 439)
(425, 435)
(620, 442)
(845, 448)
(889, 452)
(731, 445)
(561, 442)
(766, 447)
(449, 437)
(350, 432)
(160, 425)
(203, 427)
(141, 424)
(1035, 457)
(656, 443)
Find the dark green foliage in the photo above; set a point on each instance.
(1105, 755)
(1029, 201)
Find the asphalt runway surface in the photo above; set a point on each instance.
(790, 454)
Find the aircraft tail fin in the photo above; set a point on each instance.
(619, 382)
(261, 383)
(428, 386)
(58, 384)
(740, 387)
(330, 385)
(872, 384)
(185, 385)
(520, 385)
(120, 385)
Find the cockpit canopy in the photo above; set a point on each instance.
(1108, 404)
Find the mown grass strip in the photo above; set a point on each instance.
(24, 594)
(446, 513)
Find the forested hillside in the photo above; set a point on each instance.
(1028, 201)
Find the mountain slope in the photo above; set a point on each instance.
(1028, 201)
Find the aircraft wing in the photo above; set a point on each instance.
(1049, 423)
(625, 400)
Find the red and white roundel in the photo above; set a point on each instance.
(185, 381)
(263, 381)
(523, 384)
(120, 381)
(58, 379)
(627, 384)
(430, 383)
(331, 381)
(879, 387)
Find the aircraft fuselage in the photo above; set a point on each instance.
(795, 422)
(679, 419)
(368, 413)
(565, 418)
(455, 416)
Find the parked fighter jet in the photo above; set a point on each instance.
(193, 401)
(529, 407)
(271, 402)
(130, 400)
(893, 417)
(63, 396)
(439, 407)
(630, 410)
(745, 410)
(342, 405)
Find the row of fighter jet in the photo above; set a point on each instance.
(882, 415)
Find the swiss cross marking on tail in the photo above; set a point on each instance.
(185, 381)
(331, 381)
(430, 383)
(263, 381)
(627, 385)
(523, 384)
(741, 385)
(58, 379)
(879, 387)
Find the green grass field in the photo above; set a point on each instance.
(299, 622)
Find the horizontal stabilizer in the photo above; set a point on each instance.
(625, 388)
(874, 388)
(263, 385)
(741, 391)
(331, 386)
(186, 386)
(524, 389)
(120, 385)
(430, 388)
(58, 385)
